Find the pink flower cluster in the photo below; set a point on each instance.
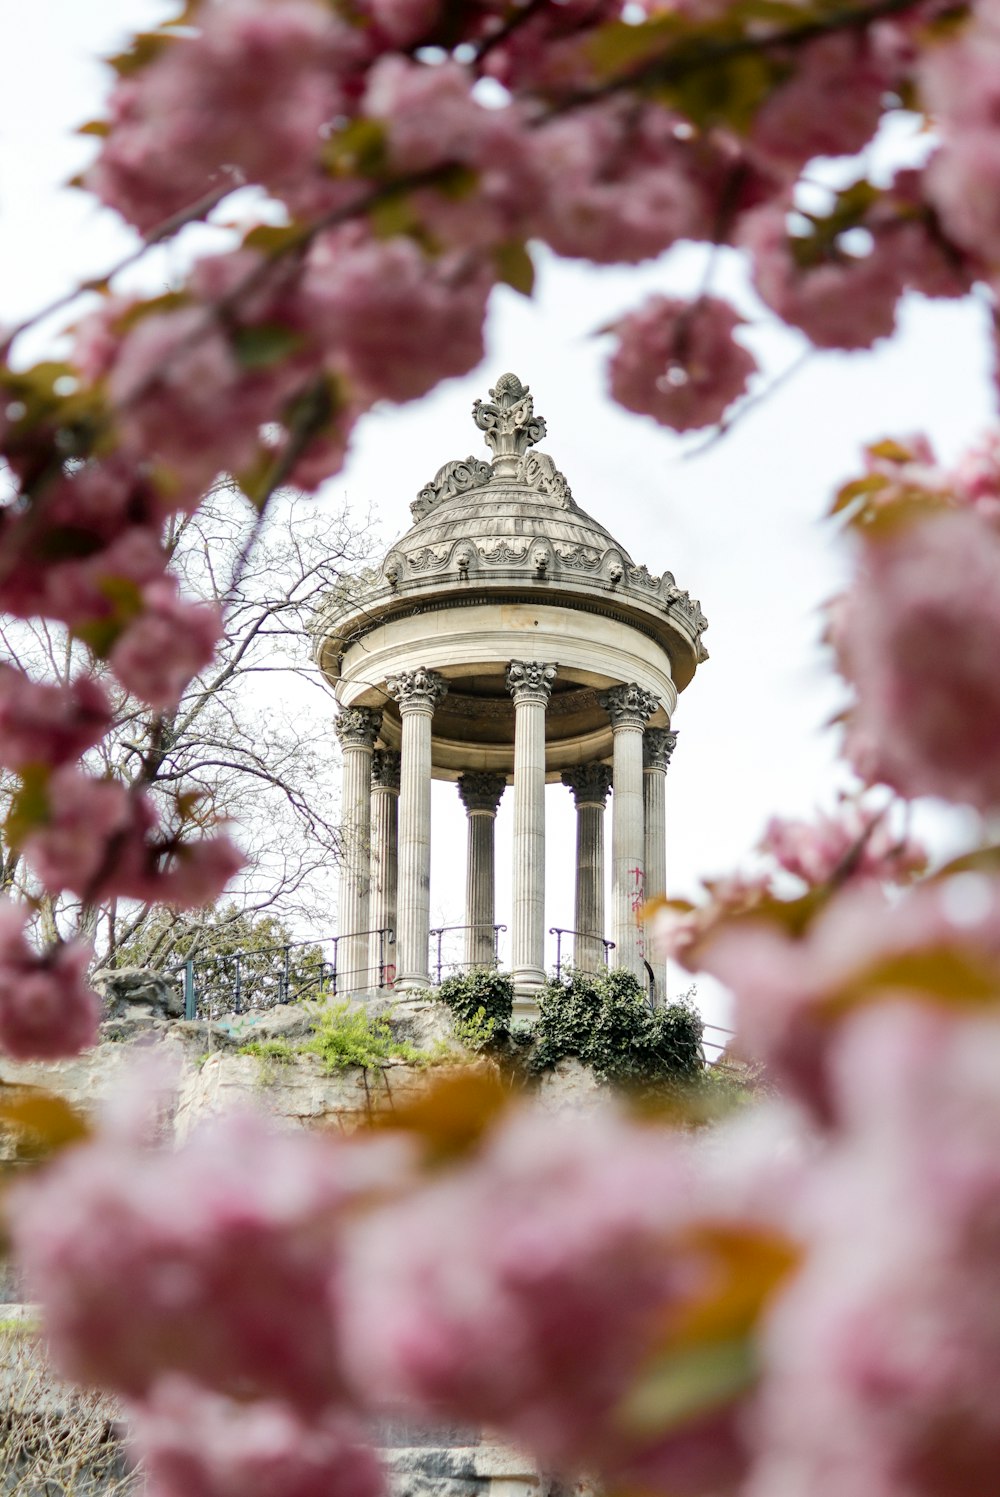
(858, 842)
(47, 1010)
(678, 361)
(916, 635)
(45, 724)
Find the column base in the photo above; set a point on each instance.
(528, 983)
(412, 987)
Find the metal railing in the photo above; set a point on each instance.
(440, 931)
(588, 935)
(239, 981)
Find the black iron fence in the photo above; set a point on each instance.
(255, 979)
(441, 961)
(586, 935)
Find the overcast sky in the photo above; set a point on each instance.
(739, 524)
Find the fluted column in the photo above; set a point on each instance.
(530, 684)
(629, 708)
(480, 793)
(590, 784)
(418, 693)
(357, 728)
(657, 746)
(385, 864)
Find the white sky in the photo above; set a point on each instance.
(740, 525)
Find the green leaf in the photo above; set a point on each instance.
(683, 1384)
(394, 215)
(264, 344)
(29, 805)
(94, 127)
(515, 267)
(618, 48)
(273, 239)
(146, 48)
(358, 149)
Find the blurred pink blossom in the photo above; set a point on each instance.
(165, 645)
(190, 1442)
(47, 1010)
(45, 723)
(678, 362)
(217, 1260)
(917, 636)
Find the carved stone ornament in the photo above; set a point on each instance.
(418, 690)
(536, 470)
(456, 477)
(481, 791)
(357, 727)
(509, 424)
(386, 765)
(628, 706)
(530, 680)
(657, 746)
(589, 783)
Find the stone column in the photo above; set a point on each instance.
(480, 793)
(657, 746)
(385, 853)
(629, 708)
(530, 684)
(590, 784)
(357, 728)
(418, 693)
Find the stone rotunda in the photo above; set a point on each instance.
(506, 640)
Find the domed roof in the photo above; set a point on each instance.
(510, 529)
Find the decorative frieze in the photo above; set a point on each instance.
(657, 746)
(385, 770)
(480, 791)
(357, 727)
(629, 705)
(418, 690)
(590, 783)
(530, 680)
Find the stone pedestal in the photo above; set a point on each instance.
(657, 746)
(480, 794)
(530, 684)
(629, 708)
(417, 692)
(590, 784)
(357, 728)
(385, 865)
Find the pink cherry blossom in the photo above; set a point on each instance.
(831, 104)
(843, 301)
(401, 23)
(975, 478)
(678, 362)
(47, 1010)
(82, 589)
(86, 821)
(190, 1442)
(963, 181)
(794, 991)
(396, 321)
(526, 1290)
(217, 1260)
(624, 184)
(916, 635)
(859, 841)
(883, 1354)
(44, 723)
(169, 642)
(431, 118)
(245, 100)
(196, 874)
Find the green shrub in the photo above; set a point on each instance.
(267, 1049)
(603, 1019)
(480, 990)
(344, 1036)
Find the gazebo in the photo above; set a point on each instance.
(506, 639)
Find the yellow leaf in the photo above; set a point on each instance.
(452, 1116)
(515, 267)
(48, 1120)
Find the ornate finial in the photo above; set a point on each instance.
(509, 423)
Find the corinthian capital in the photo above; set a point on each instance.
(628, 706)
(657, 746)
(481, 791)
(589, 783)
(418, 690)
(530, 680)
(385, 769)
(357, 727)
